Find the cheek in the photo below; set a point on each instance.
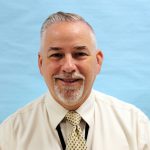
(51, 69)
(88, 69)
(92, 64)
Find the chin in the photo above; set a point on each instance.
(72, 106)
(69, 96)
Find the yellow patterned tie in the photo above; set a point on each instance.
(75, 140)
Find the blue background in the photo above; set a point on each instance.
(123, 33)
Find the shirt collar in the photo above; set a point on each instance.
(56, 112)
(86, 110)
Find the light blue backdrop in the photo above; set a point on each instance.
(123, 34)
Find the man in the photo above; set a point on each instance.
(71, 115)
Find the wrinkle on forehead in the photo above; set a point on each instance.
(77, 27)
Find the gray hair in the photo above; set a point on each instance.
(63, 17)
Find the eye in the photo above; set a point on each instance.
(80, 54)
(56, 55)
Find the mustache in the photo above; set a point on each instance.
(69, 76)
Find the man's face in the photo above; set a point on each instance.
(69, 62)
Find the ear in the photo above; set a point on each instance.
(40, 62)
(99, 58)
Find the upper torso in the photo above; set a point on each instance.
(113, 125)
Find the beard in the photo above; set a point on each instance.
(71, 94)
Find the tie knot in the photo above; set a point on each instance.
(73, 117)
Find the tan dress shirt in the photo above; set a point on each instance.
(113, 125)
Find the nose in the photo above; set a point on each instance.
(68, 65)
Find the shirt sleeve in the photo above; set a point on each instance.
(143, 133)
(5, 136)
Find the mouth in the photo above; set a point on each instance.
(69, 81)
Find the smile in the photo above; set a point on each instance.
(69, 81)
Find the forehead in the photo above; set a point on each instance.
(65, 27)
(68, 32)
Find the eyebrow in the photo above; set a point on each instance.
(59, 48)
(80, 47)
(54, 48)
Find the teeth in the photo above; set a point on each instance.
(69, 80)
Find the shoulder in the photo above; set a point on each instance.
(130, 118)
(118, 106)
(16, 123)
(25, 112)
